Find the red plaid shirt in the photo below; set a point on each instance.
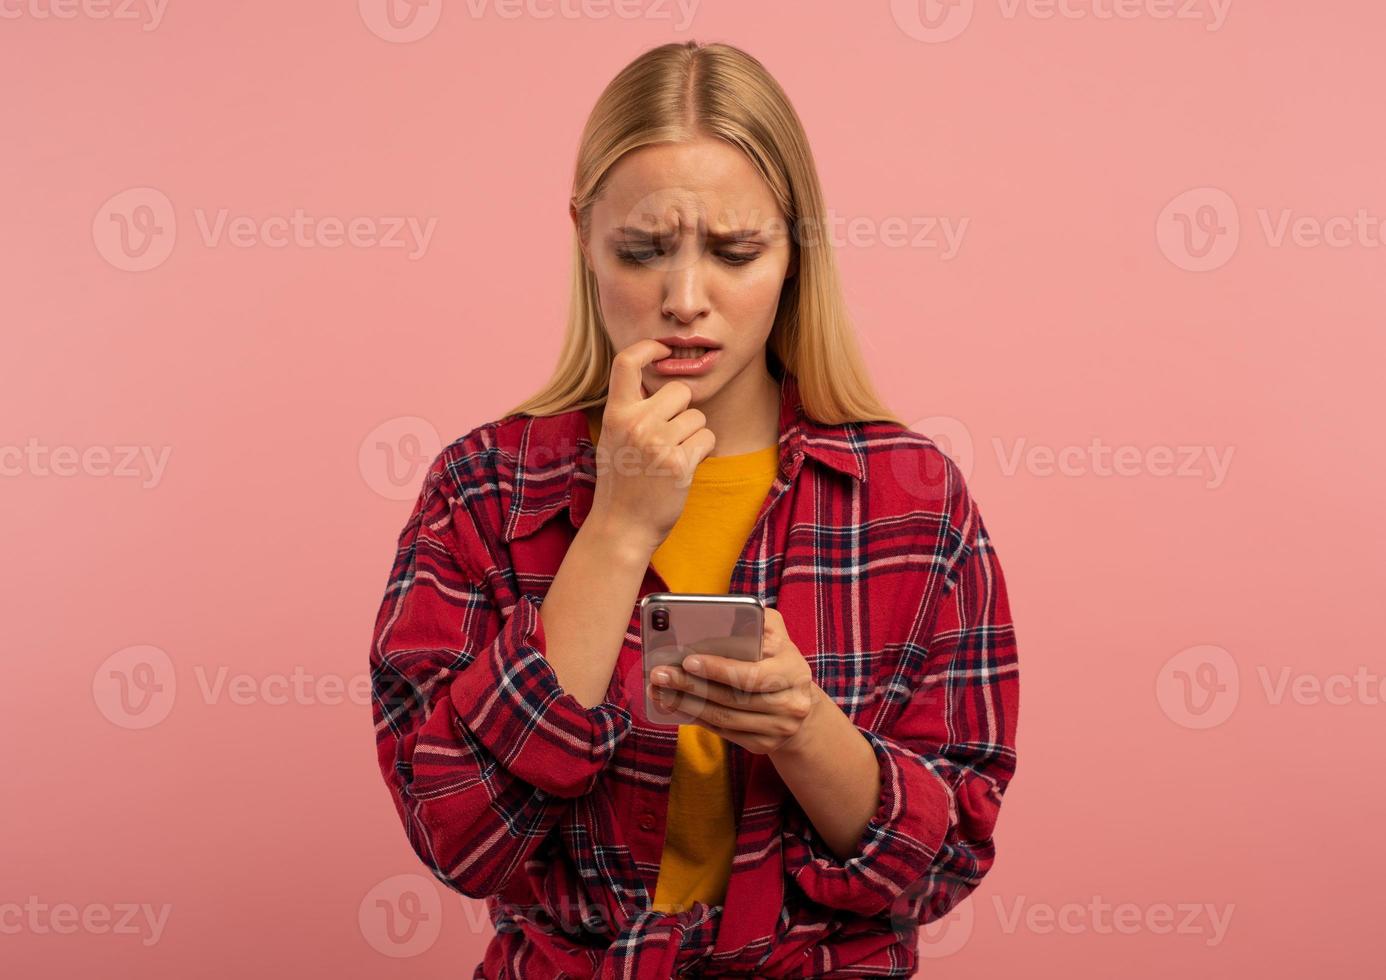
(874, 552)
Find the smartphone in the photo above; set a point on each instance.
(675, 624)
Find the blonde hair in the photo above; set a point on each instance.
(683, 91)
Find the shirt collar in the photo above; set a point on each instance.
(556, 468)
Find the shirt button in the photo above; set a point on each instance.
(647, 821)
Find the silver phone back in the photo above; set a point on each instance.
(720, 624)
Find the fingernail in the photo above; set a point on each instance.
(662, 676)
(693, 664)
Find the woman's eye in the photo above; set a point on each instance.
(638, 256)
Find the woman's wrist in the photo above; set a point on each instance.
(625, 544)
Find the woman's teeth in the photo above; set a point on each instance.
(688, 353)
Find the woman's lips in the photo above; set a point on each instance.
(674, 366)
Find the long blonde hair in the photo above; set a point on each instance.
(682, 91)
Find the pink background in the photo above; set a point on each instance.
(1163, 769)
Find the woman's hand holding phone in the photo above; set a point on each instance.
(648, 449)
(765, 706)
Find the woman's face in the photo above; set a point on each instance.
(687, 239)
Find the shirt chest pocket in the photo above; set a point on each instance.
(859, 651)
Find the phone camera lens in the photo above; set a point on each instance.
(660, 619)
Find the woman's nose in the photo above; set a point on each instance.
(685, 295)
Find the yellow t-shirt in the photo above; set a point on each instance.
(698, 556)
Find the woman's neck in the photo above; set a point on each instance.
(745, 413)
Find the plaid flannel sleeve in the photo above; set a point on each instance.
(481, 748)
(945, 758)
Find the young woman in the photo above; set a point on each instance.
(813, 808)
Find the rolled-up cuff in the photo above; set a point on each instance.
(510, 700)
(897, 845)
